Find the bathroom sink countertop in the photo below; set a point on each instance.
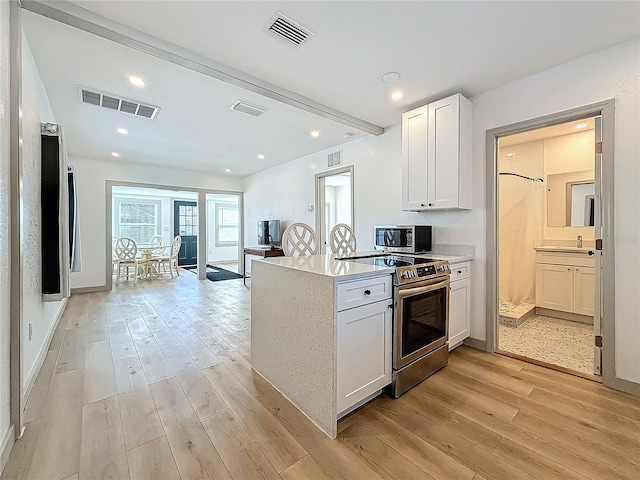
(562, 248)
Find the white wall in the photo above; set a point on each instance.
(568, 86)
(42, 315)
(91, 187)
(284, 192)
(5, 221)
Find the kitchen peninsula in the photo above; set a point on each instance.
(321, 332)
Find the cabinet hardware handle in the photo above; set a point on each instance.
(367, 292)
(568, 269)
(390, 305)
(590, 252)
(422, 204)
(459, 272)
(430, 204)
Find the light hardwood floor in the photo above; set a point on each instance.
(153, 381)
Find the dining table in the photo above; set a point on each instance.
(147, 254)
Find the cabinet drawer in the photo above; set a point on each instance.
(460, 271)
(361, 292)
(562, 258)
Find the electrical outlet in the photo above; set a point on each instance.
(30, 331)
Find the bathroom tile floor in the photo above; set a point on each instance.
(551, 340)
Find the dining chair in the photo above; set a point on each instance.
(171, 260)
(126, 252)
(342, 239)
(158, 241)
(299, 239)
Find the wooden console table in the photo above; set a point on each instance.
(259, 252)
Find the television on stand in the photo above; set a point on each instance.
(269, 233)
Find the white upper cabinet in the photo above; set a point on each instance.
(436, 156)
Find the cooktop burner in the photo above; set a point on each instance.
(395, 261)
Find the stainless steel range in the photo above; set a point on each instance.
(420, 317)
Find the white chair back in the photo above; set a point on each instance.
(126, 249)
(342, 239)
(299, 239)
(175, 246)
(157, 241)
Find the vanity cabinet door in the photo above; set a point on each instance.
(554, 287)
(459, 314)
(584, 290)
(363, 351)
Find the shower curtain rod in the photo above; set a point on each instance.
(522, 176)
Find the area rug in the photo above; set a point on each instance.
(216, 274)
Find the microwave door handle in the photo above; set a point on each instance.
(427, 288)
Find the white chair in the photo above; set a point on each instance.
(299, 239)
(158, 241)
(126, 252)
(172, 260)
(342, 239)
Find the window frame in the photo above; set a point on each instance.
(134, 200)
(221, 206)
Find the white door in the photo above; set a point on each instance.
(598, 291)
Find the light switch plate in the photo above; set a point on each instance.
(310, 207)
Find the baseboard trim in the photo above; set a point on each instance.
(97, 288)
(7, 445)
(42, 355)
(625, 386)
(475, 343)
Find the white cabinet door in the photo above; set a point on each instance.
(554, 287)
(443, 153)
(459, 313)
(414, 156)
(584, 290)
(363, 351)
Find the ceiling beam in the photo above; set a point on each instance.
(88, 21)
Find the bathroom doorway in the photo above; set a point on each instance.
(546, 223)
(334, 202)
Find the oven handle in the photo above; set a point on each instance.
(405, 292)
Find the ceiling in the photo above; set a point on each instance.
(438, 48)
(548, 132)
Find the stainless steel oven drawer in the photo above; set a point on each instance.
(361, 292)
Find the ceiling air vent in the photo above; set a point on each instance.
(113, 102)
(334, 159)
(286, 29)
(244, 107)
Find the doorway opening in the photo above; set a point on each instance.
(334, 202)
(546, 241)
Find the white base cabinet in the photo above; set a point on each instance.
(565, 282)
(459, 304)
(363, 344)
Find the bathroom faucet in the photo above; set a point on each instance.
(579, 241)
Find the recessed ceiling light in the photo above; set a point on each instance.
(397, 95)
(390, 77)
(315, 133)
(115, 154)
(122, 131)
(137, 81)
(348, 135)
(511, 154)
(582, 125)
(261, 156)
(228, 170)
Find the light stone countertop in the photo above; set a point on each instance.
(327, 265)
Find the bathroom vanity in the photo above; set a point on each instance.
(565, 282)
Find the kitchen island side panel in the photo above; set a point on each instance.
(293, 338)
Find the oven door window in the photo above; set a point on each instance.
(424, 320)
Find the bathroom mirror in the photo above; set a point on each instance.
(570, 199)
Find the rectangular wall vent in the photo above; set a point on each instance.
(286, 29)
(334, 159)
(244, 107)
(113, 102)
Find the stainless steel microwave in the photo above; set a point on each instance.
(402, 238)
